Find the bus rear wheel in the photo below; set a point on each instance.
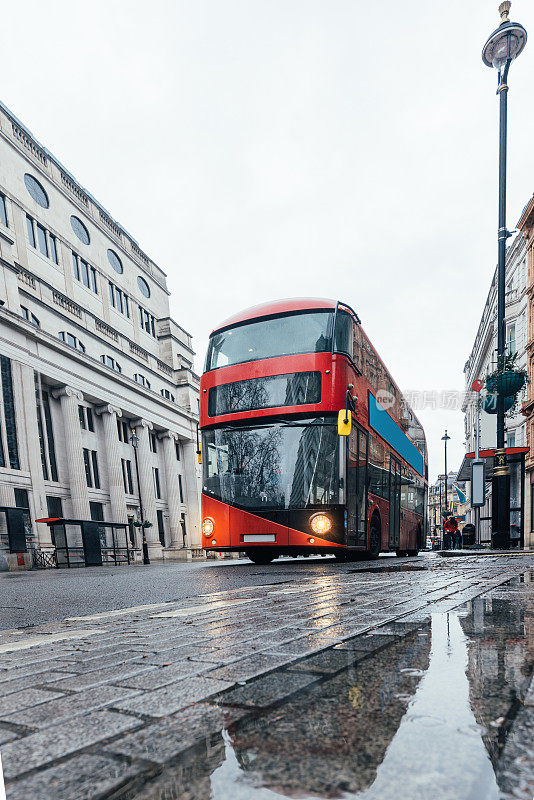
(260, 556)
(400, 553)
(413, 552)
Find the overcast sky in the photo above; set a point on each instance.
(260, 149)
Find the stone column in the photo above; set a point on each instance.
(168, 440)
(70, 398)
(191, 477)
(147, 492)
(38, 506)
(117, 494)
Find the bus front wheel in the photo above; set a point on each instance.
(260, 556)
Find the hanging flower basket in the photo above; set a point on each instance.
(507, 383)
(147, 524)
(506, 379)
(489, 403)
(137, 523)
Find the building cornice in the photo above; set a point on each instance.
(40, 158)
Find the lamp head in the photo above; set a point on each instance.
(506, 42)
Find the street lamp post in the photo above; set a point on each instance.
(504, 44)
(134, 440)
(445, 439)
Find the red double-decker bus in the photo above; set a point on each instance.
(278, 478)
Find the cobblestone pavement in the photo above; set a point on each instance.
(117, 704)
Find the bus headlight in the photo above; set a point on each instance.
(207, 526)
(320, 523)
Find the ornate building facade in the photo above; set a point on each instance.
(91, 363)
(483, 360)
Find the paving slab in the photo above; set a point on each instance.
(40, 748)
(249, 667)
(163, 741)
(23, 699)
(100, 676)
(168, 699)
(162, 676)
(81, 778)
(67, 707)
(267, 690)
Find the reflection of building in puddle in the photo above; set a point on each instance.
(328, 742)
(437, 751)
(500, 651)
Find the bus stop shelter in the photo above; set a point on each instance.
(515, 457)
(79, 542)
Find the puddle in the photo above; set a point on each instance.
(393, 568)
(424, 717)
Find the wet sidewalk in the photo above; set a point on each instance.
(406, 680)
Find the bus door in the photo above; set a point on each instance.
(356, 499)
(394, 502)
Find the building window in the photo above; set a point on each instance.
(124, 431)
(86, 418)
(36, 191)
(111, 363)
(510, 439)
(41, 240)
(144, 288)
(184, 531)
(142, 380)
(92, 474)
(115, 261)
(119, 300)
(153, 443)
(29, 316)
(31, 232)
(9, 413)
(510, 338)
(3, 213)
(147, 321)
(80, 230)
(127, 476)
(84, 273)
(177, 449)
(181, 488)
(39, 237)
(21, 498)
(71, 340)
(161, 527)
(157, 483)
(53, 248)
(168, 395)
(46, 432)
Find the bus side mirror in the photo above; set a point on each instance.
(344, 422)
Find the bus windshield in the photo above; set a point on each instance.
(307, 332)
(273, 466)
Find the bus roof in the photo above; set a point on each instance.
(276, 307)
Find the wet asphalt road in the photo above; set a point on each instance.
(31, 598)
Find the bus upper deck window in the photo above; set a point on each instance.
(343, 335)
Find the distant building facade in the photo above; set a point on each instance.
(526, 226)
(483, 360)
(89, 355)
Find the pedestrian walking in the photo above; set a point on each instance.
(453, 537)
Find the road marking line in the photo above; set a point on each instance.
(35, 641)
(2, 784)
(291, 591)
(187, 612)
(118, 612)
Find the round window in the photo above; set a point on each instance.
(115, 261)
(144, 288)
(36, 190)
(80, 230)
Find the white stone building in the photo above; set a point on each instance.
(88, 354)
(483, 359)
